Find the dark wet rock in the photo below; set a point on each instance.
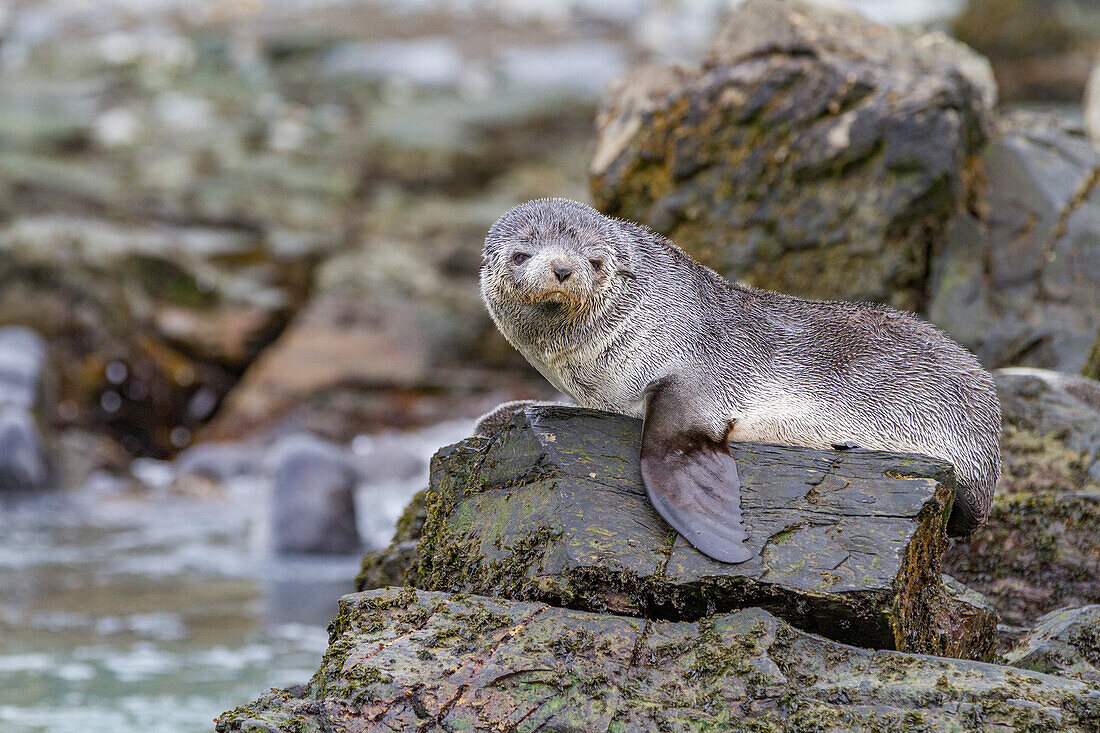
(1065, 642)
(402, 660)
(812, 152)
(847, 544)
(24, 465)
(1016, 278)
(1040, 549)
(1040, 51)
(313, 498)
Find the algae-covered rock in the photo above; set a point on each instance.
(812, 152)
(405, 660)
(846, 544)
(1040, 548)
(1065, 642)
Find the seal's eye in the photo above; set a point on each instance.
(520, 257)
(596, 264)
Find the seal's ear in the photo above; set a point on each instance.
(691, 478)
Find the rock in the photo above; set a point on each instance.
(1015, 280)
(1040, 549)
(812, 152)
(1065, 642)
(23, 368)
(24, 465)
(150, 326)
(403, 660)
(847, 544)
(313, 499)
(331, 341)
(1041, 51)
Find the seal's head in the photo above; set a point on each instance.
(554, 253)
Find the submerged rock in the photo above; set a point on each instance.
(403, 660)
(1064, 642)
(846, 544)
(1040, 549)
(313, 499)
(812, 152)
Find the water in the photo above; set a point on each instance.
(130, 605)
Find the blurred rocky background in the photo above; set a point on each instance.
(239, 244)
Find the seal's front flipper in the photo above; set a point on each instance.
(691, 478)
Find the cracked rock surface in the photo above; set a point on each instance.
(405, 659)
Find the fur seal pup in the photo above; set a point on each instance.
(620, 319)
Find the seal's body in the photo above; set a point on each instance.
(620, 319)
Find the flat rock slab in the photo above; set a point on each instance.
(1065, 642)
(847, 544)
(409, 660)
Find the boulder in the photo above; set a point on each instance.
(1015, 278)
(150, 326)
(313, 498)
(846, 543)
(404, 660)
(816, 153)
(1040, 51)
(1040, 549)
(1065, 642)
(812, 152)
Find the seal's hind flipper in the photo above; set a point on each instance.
(691, 479)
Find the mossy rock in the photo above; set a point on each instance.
(1065, 642)
(412, 660)
(812, 151)
(1040, 549)
(846, 544)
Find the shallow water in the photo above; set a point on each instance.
(129, 606)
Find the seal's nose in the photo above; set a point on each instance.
(562, 271)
